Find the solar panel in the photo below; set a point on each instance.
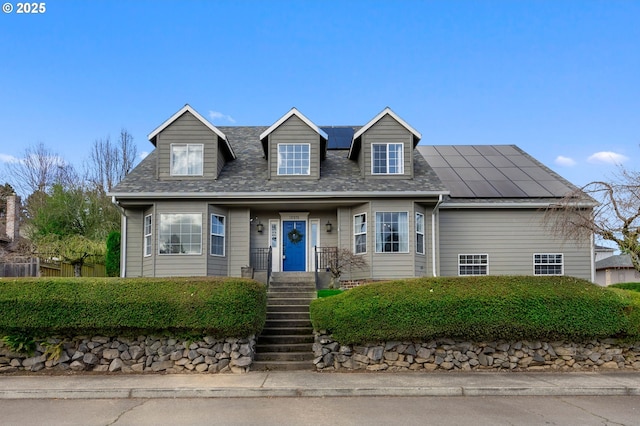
(339, 137)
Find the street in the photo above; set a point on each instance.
(622, 410)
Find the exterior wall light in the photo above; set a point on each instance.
(328, 226)
(260, 227)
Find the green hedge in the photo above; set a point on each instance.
(226, 307)
(478, 308)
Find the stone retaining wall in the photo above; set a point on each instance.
(448, 354)
(135, 355)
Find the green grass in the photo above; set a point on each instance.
(627, 286)
(328, 292)
(221, 307)
(478, 308)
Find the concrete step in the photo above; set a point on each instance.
(291, 295)
(292, 277)
(290, 347)
(281, 365)
(273, 301)
(288, 322)
(268, 339)
(287, 308)
(287, 331)
(284, 356)
(279, 315)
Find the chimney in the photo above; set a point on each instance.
(13, 212)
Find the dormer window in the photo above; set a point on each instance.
(387, 159)
(294, 159)
(186, 159)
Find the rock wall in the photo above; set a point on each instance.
(134, 355)
(448, 354)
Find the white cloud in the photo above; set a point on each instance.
(6, 158)
(607, 157)
(143, 155)
(565, 161)
(215, 115)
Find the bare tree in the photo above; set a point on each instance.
(344, 259)
(111, 162)
(39, 169)
(616, 218)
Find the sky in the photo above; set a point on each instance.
(559, 79)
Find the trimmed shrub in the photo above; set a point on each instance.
(478, 308)
(225, 307)
(112, 258)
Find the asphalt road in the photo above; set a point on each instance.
(477, 411)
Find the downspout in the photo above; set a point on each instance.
(593, 259)
(433, 235)
(123, 239)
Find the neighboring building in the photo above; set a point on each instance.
(616, 269)
(602, 252)
(210, 200)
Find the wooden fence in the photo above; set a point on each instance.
(34, 267)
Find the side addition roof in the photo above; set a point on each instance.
(494, 174)
(355, 144)
(188, 108)
(614, 262)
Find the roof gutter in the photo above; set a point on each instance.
(123, 240)
(433, 235)
(272, 195)
(510, 205)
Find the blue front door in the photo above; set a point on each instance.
(294, 247)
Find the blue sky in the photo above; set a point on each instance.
(560, 79)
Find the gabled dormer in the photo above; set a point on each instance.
(294, 147)
(190, 147)
(384, 147)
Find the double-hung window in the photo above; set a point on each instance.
(360, 233)
(387, 158)
(419, 233)
(294, 159)
(186, 159)
(147, 235)
(473, 264)
(180, 233)
(217, 235)
(392, 232)
(548, 264)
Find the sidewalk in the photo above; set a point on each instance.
(313, 384)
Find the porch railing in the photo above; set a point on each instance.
(261, 261)
(325, 257)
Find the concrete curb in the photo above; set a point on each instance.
(316, 385)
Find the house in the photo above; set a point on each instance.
(210, 200)
(616, 269)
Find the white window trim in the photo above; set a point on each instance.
(187, 145)
(424, 242)
(548, 254)
(179, 254)
(473, 264)
(224, 235)
(366, 226)
(376, 233)
(278, 160)
(401, 165)
(147, 246)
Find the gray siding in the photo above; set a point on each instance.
(387, 130)
(510, 237)
(221, 160)
(217, 265)
(134, 243)
(188, 129)
(391, 265)
(294, 130)
(238, 223)
(181, 265)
